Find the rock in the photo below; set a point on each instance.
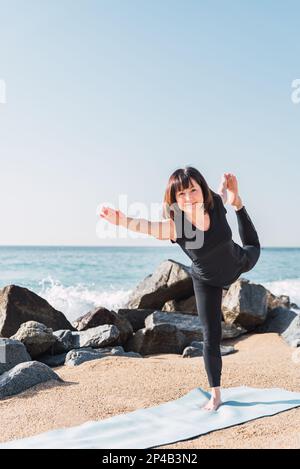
(96, 337)
(292, 334)
(230, 331)
(278, 320)
(100, 336)
(36, 337)
(190, 352)
(171, 280)
(136, 317)
(53, 360)
(76, 357)
(196, 350)
(172, 332)
(285, 322)
(171, 306)
(23, 376)
(12, 352)
(245, 304)
(101, 316)
(169, 288)
(186, 306)
(79, 356)
(189, 325)
(162, 338)
(18, 305)
(274, 301)
(64, 342)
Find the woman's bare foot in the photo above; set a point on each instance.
(213, 404)
(233, 196)
(215, 400)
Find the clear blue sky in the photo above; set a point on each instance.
(110, 97)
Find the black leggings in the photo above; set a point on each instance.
(209, 301)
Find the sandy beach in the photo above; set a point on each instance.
(102, 388)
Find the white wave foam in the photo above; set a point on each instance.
(77, 300)
(290, 287)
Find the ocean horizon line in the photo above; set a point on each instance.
(112, 246)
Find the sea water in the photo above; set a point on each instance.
(76, 279)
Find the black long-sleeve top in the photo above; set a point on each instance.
(216, 258)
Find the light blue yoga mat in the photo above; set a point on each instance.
(177, 420)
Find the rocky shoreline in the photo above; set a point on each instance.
(160, 317)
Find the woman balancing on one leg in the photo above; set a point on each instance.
(196, 221)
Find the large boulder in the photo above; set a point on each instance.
(190, 326)
(18, 305)
(245, 304)
(101, 316)
(100, 336)
(278, 320)
(12, 352)
(36, 337)
(171, 333)
(96, 337)
(171, 280)
(285, 322)
(162, 338)
(24, 376)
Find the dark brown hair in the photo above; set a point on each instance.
(181, 179)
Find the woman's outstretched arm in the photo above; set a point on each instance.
(164, 230)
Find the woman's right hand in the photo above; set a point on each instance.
(113, 216)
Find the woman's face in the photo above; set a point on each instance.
(188, 198)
